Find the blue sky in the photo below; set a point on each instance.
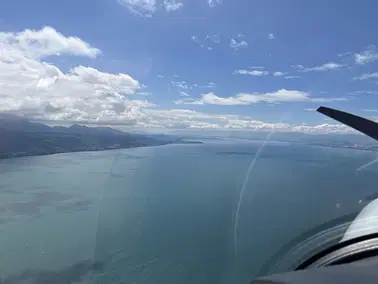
(192, 64)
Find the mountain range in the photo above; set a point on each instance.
(20, 137)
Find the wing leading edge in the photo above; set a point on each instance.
(366, 126)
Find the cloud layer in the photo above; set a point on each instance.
(279, 96)
(190, 119)
(38, 90)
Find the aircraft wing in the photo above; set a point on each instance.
(366, 126)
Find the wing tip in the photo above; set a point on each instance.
(321, 109)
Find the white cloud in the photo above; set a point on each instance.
(213, 3)
(35, 89)
(282, 95)
(234, 44)
(143, 8)
(260, 72)
(42, 43)
(367, 56)
(278, 73)
(190, 119)
(322, 68)
(291, 77)
(370, 110)
(367, 76)
(271, 36)
(252, 72)
(321, 128)
(39, 90)
(172, 5)
(120, 83)
(184, 85)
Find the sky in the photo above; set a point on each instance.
(189, 64)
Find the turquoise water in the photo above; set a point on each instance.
(166, 214)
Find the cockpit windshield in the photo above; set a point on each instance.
(177, 141)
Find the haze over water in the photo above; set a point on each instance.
(166, 214)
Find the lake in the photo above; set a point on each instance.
(167, 214)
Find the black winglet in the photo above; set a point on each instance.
(361, 124)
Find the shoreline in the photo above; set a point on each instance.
(24, 155)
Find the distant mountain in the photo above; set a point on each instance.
(19, 137)
(16, 124)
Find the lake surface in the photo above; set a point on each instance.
(167, 214)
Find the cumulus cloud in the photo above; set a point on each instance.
(33, 88)
(39, 90)
(279, 96)
(235, 45)
(321, 68)
(367, 56)
(42, 43)
(190, 119)
(172, 5)
(143, 8)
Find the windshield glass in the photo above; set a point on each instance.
(177, 141)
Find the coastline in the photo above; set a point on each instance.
(47, 153)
